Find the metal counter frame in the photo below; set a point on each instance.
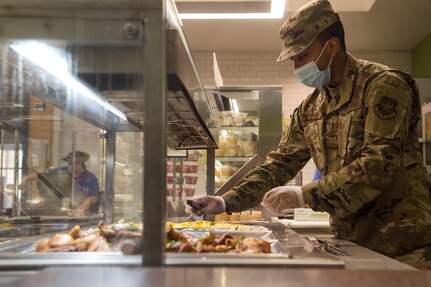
(151, 14)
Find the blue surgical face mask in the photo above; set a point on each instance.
(69, 167)
(310, 75)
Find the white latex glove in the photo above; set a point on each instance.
(208, 204)
(283, 197)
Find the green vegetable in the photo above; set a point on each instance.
(171, 243)
(132, 227)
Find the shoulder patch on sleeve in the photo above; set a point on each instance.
(386, 108)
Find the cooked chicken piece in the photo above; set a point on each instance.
(99, 245)
(91, 239)
(106, 230)
(89, 231)
(129, 234)
(173, 246)
(87, 240)
(60, 239)
(68, 248)
(221, 248)
(42, 245)
(231, 243)
(223, 238)
(114, 233)
(187, 247)
(81, 246)
(75, 232)
(174, 235)
(208, 239)
(254, 244)
(204, 248)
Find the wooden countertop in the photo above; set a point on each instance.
(220, 277)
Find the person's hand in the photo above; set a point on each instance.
(283, 197)
(26, 179)
(32, 176)
(208, 204)
(23, 184)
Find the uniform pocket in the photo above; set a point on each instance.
(351, 131)
(312, 122)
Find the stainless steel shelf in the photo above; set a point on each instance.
(233, 158)
(255, 129)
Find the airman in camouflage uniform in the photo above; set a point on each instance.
(365, 145)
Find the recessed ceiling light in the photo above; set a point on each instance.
(277, 8)
(276, 12)
(338, 5)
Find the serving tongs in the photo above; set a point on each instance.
(195, 207)
(327, 245)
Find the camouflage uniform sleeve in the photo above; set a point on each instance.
(387, 113)
(280, 167)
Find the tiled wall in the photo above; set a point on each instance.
(260, 68)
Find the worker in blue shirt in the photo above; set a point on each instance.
(86, 184)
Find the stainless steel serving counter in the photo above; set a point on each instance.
(361, 258)
(358, 258)
(216, 277)
(295, 250)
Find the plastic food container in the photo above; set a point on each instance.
(239, 119)
(170, 168)
(192, 157)
(228, 119)
(231, 150)
(169, 191)
(193, 168)
(191, 179)
(189, 191)
(226, 170)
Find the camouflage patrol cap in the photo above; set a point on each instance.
(302, 27)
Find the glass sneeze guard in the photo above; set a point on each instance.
(83, 119)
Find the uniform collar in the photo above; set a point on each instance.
(346, 89)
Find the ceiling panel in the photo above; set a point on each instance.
(389, 25)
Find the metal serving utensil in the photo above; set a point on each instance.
(327, 245)
(195, 207)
